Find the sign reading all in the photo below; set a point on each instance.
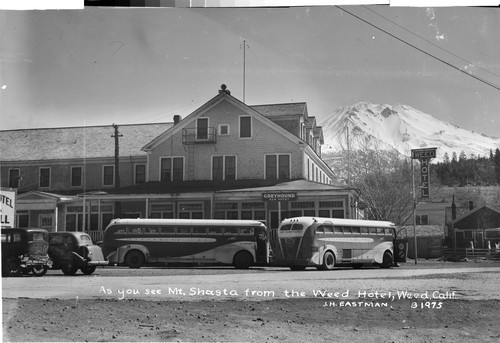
(7, 208)
(279, 196)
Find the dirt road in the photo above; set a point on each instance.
(422, 309)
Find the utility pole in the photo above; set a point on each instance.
(244, 67)
(116, 136)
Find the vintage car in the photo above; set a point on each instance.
(72, 250)
(25, 250)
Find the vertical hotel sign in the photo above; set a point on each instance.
(7, 208)
(424, 156)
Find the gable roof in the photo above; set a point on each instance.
(76, 142)
(222, 96)
(474, 210)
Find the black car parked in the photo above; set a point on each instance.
(25, 250)
(72, 250)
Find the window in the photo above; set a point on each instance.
(246, 127)
(44, 177)
(277, 167)
(226, 210)
(422, 219)
(140, 173)
(223, 168)
(172, 169)
(108, 178)
(224, 129)
(76, 176)
(14, 178)
(202, 128)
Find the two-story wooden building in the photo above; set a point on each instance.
(225, 160)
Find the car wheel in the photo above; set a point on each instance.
(243, 260)
(69, 268)
(134, 259)
(88, 270)
(12, 267)
(39, 270)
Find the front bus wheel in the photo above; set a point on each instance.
(328, 261)
(243, 260)
(387, 260)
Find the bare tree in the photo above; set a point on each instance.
(383, 177)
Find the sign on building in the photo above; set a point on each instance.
(424, 156)
(7, 208)
(279, 196)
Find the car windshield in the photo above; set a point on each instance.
(38, 236)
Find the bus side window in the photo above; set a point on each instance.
(134, 230)
(380, 231)
(297, 227)
(347, 229)
(356, 230)
(246, 231)
(373, 231)
(199, 230)
(168, 230)
(328, 228)
(121, 230)
(152, 230)
(337, 229)
(364, 230)
(214, 230)
(231, 230)
(184, 230)
(388, 232)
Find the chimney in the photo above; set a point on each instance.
(453, 209)
(177, 119)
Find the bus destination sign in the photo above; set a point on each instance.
(279, 196)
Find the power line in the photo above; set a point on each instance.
(428, 41)
(497, 87)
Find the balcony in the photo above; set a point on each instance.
(207, 135)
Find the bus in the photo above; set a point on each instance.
(328, 242)
(137, 242)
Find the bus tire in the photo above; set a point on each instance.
(328, 261)
(387, 260)
(134, 259)
(242, 260)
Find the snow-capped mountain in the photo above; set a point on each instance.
(401, 127)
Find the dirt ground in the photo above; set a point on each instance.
(300, 320)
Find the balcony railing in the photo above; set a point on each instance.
(199, 136)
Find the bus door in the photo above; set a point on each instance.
(262, 253)
(400, 245)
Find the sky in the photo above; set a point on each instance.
(100, 66)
